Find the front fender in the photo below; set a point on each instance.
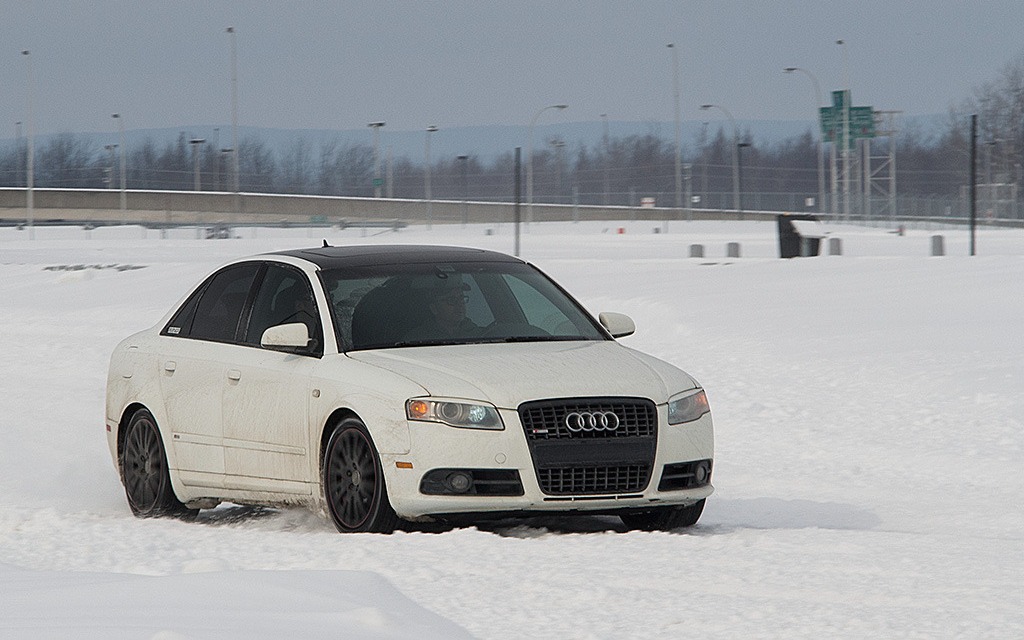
(375, 395)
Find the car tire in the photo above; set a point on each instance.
(145, 472)
(664, 518)
(353, 482)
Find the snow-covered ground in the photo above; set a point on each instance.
(869, 413)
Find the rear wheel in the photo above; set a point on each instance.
(144, 471)
(664, 518)
(353, 481)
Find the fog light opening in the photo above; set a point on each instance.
(459, 482)
(701, 473)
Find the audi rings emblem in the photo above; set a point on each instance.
(592, 421)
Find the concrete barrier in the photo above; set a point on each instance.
(696, 251)
(732, 250)
(171, 208)
(938, 245)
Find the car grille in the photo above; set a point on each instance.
(591, 461)
(545, 420)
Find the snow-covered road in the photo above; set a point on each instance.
(869, 414)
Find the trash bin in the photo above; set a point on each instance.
(799, 235)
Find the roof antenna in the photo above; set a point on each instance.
(325, 243)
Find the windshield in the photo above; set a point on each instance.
(407, 305)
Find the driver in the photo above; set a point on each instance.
(446, 301)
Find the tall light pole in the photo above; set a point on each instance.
(234, 116)
(529, 159)
(195, 142)
(735, 153)
(426, 177)
(846, 130)
(821, 144)
(679, 130)
(30, 162)
(377, 182)
(123, 173)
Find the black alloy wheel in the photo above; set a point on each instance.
(353, 480)
(664, 518)
(144, 471)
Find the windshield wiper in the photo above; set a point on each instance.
(528, 339)
(419, 343)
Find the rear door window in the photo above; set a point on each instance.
(219, 308)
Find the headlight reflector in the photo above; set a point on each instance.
(454, 413)
(687, 406)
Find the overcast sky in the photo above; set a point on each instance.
(342, 64)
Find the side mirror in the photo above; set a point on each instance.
(294, 335)
(617, 324)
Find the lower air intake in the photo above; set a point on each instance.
(593, 479)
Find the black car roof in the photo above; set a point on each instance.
(367, 255)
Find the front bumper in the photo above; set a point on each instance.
(436, 446)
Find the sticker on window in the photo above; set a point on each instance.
(173, 331)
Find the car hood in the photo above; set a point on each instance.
(509, 374)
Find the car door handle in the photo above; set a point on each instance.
(234, 374)
(170, 366)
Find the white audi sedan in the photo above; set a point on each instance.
(382, 384)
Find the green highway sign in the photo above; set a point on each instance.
(378, 182)
(833, 119)
(862, 123)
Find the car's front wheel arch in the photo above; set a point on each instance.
(352, 480)
(337, 417)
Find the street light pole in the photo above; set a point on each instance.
(846, 130)
(529, 159)
(376, 126)
(679, 131)
(821, 143)
(735, 153)
(30, 162)
(235, 182)
(426, 178)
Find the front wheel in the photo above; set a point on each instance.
(664, 518)
(144, 471)
(353, 482)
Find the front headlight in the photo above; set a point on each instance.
(687, 406)
(454, 413)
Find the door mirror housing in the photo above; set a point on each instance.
(617, 324)
(294, 335)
